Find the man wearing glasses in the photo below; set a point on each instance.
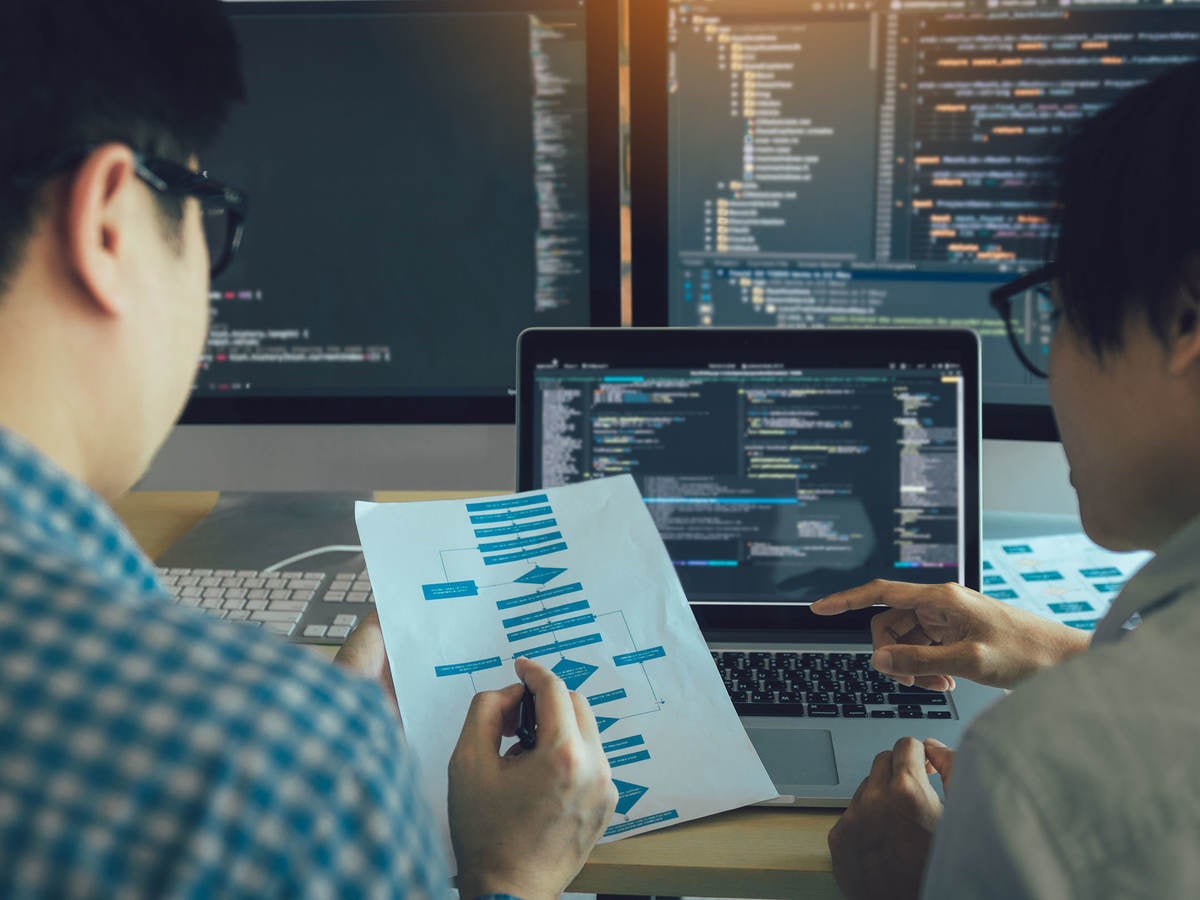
(147, 750)
(1085, 781)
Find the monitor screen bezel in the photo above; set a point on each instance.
(603, 31)
(691, 346)
(649, 186)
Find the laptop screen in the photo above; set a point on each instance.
(776, 471)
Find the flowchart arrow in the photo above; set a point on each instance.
(627, 795)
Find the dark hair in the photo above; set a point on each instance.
(158, 75)
(1129, 195)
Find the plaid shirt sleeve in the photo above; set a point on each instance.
(147, 750)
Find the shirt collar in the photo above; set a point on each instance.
(1172, 571)
(41, 504)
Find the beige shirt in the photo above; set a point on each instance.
(1085, 781)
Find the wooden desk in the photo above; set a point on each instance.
(764, 853)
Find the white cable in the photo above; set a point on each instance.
(337, 548)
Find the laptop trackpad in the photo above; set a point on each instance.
(796, 756)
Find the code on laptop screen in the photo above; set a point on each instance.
(772, 484)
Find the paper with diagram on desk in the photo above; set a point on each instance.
(576, 578)
(1063, 577)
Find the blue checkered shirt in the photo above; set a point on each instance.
(148, 750)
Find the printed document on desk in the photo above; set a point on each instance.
(576, 578)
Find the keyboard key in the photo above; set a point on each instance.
(283, 628)
(822, 710)
(213, 593)
(939, 714)
(247, 573)
(912, 712)
(254, 582)
(286, 605)
(210, 581)
(356, 597)
(335, 596)
(224, 573)
(256, 603)
(233, 603)
(268, 615)
(883, 714)
(844, 697)
(211, 603)
(314, 631)
(854, 711)
(769, 709)
(874, 698)
(337, 631)
(347, 620)
(818, 697)
(257, 594)
(314, 576)
(917, 699)
(238, 615)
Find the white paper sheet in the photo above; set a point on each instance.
(1064, 577)
(464, 587)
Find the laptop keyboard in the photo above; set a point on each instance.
(306, 607)
(822, 685)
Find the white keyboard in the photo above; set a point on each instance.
(306, 607)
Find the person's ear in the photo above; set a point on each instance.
(1184, 348)
(100, 211)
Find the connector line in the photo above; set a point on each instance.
(332, 548)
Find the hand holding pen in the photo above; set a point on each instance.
(524, 823)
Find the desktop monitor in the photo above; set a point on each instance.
(836, 163)
(427, 178)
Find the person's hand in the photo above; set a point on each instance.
(935, 632)
(524, 823)
(880, 843)
(939, 759)
(363, 653)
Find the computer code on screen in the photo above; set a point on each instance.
(418, 183)
(870, 163)
(774, 485)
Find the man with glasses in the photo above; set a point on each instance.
(145, 749)
(1085, 781)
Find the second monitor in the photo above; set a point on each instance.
(426, 179)
(835, 163)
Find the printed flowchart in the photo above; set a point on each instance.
(577, 579)
(546, 614)
(1066, 578)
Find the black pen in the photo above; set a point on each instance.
(527, 721)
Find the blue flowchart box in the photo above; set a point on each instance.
(517, 543)
(639, 823)
(1106, 572)
(450, 590)
(992, 580)
(501, 530)
(1042, 576)
(1083, 624)
(1017, 548)
(512, 515)
(1074, 606)
(607, 697)
(1002, 595)
(628, 759)
(560, 646)
(524, 554)
(549, 613)
(547, 628)
(509, 503)
(467, 668)
(639, 656)
(624, 743)
(539, 596)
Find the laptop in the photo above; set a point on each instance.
(781, 466)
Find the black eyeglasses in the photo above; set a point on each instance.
(1031, 322)
(223, 208)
